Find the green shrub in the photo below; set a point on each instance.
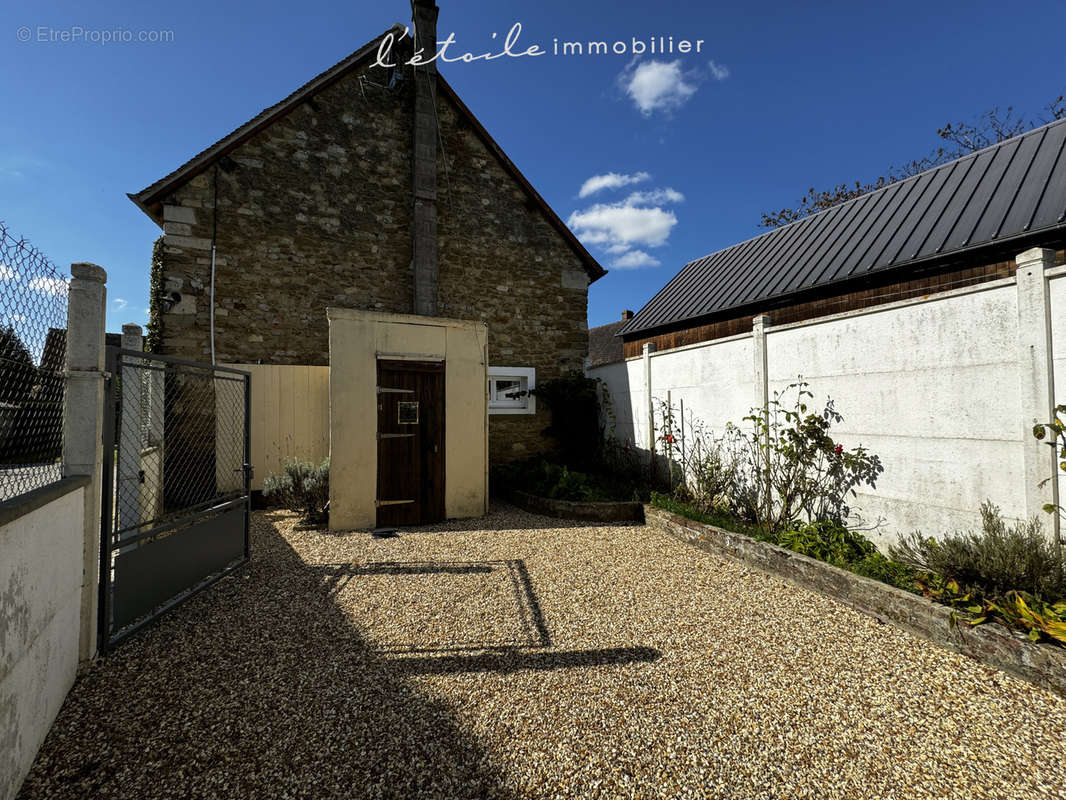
(718, 518)
(886, 570)
(302, 487)
(782, 465)
(565, 484)
(997, 559)
(827, 541)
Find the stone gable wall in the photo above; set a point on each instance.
(316, 212)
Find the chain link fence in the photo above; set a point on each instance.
(33, 321)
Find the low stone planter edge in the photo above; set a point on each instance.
(991, 643)
(624, 511)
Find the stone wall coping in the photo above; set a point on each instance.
(23, 504)
(990, 644)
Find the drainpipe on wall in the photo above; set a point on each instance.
(424, 176)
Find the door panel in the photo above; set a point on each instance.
(410, 442)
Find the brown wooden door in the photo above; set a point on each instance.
(410, 442)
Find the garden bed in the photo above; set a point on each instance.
(991, 644)
(593, 511)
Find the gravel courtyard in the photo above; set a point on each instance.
(518, 656)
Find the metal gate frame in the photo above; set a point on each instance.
(196, 518)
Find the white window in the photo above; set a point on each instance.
(509, 390)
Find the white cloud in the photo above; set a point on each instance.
(610, 180)
(120, 304)
(56, 286)
(655, 196)
(635, 259)
(620, 228)
(657, 86)
(6, 273)
(718, 71)
(619, 223)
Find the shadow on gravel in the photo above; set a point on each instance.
(515, 660)
(337, 577)
(503, 516)
(258, 688)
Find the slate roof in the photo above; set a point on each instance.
(149, 199)
(1013, 193)
(605, 346)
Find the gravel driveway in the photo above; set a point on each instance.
(517, 656)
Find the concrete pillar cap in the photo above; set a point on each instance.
(86, 271)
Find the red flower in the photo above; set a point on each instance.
(838, 449)
(670, 438)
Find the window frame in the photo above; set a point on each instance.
(525, 405)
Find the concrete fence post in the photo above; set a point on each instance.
(128, 495)
(649, 348)
(83, 424)
(1037, 381)
(762, 397)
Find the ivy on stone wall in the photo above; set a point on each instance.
(155, 298)
(579, 406)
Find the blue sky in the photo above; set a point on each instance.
(782, 97)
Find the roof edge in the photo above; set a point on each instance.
(149, 197)
(152, 193)
(1037, 237)
(592, 266)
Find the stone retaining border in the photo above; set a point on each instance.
(991, 644)
(567, 509)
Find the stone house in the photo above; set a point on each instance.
(373, 188)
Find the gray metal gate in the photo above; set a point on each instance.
(175, 505)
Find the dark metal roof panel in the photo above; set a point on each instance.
(811, 252)
(1009, 190)
(1033, 188)
(1052, 205)
(923, 209)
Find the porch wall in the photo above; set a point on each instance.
(356, 340)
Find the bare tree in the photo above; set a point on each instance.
(990, 128)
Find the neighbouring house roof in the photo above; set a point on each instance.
(150, 199)
(1011, 194)
(605, 347)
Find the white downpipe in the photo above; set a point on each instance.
(212, 301)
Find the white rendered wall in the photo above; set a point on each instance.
(931, 386)
(1057, 287)
(40, 624)
(932, 389)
